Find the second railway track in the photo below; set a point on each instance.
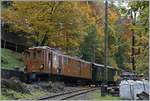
(67, 95)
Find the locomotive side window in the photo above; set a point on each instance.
(34, 55)
(81, 64)
(76, 64)
(55, 60)
(39, 54)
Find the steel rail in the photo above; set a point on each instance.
(76, 94)
(66, 95)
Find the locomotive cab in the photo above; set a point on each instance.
(37, 61)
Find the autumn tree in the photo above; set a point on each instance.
(78, 27)
(90, 44)
(141, 34)
(140, 29)
(57, 24)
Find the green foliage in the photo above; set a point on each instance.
(141, 30)
(90, 44)
(6, 4)
(143, 8)
(96, 95)
(13, 95)
(120, 36)
(119, 56)
(11, 59)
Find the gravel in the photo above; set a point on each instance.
(86, 96)
(43, 88)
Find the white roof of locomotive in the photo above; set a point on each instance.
(102, 65)
(42, 47)
(72, 57)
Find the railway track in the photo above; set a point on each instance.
(143, 96)
(67, 95)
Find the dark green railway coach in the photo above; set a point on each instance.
(99, 74)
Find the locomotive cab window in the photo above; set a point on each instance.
(26, 55)
(39, 54)
(36, 54)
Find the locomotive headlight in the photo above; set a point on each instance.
(42, 66)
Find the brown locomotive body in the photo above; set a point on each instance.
(45, 60)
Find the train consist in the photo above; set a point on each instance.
(44, 62)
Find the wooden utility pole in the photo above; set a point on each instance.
(105, 83)
(106, 41)
(133, 40)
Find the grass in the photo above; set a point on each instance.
(3, 97)
(10, 59)
(96, 95)
(13, 95)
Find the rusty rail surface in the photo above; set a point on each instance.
(66, 95)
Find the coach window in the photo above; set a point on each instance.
(65, 60)
(84, 65)
(55, 60)
(78, 64)
(49, 55)
(62, 60)
(81, 64)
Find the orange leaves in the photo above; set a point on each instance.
(113, 16)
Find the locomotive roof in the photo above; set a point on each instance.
(76, 58)
(41, 47)
(58, 52)
(102, 65)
